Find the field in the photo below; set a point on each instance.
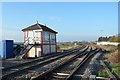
(67, 45)
(113, 56)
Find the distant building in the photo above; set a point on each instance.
(108, 43)
(40, 40)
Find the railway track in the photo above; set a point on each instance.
(10, 73)
(88, 56)
(37, 59)
(59, 73)
(112, 77)
(64, 70)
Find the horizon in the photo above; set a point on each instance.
(76, 21)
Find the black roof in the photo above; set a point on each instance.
(39, 26)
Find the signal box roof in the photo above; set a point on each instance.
(38, 26)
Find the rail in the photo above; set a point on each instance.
(81, 63)
(31, 65)
(42, 75)
(108, 71)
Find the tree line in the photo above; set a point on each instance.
(110, 39)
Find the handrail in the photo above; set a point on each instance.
(26, 44)
(27, 47)
(26, 40)
(16, 49)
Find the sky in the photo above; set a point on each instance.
(74, 21)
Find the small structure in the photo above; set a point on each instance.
(7, 49)
(40, 39)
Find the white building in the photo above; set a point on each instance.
(108, 43)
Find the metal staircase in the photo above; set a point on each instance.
(28, 44)
(18, 49)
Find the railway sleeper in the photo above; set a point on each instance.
(41, 76)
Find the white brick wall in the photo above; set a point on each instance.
(108, 43)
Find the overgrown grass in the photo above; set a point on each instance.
(67, 45)
(116, 69)
(103, 74)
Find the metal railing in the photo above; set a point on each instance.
(28, 44)
(32, 40)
